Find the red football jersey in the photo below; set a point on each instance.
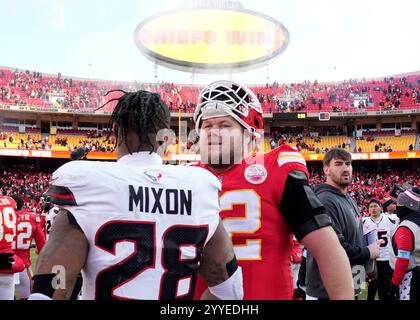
(250, 199)
(7, 223)
(8, 230)
(28, 227)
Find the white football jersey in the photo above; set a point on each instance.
(385, 227)
(49, 219)
(146, 224)
(393, 217)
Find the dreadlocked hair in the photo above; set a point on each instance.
(142, 112)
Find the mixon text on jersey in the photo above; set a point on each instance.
(159, 200)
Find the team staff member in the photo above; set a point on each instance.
(346, 221)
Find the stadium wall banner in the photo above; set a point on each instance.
(111, 156)
(58, 154)
(36, 109)
(280, 116)
(367, 113)
(370, 155)
(211, 39)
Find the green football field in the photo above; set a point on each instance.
(34, 258)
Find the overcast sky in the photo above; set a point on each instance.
(329, 39)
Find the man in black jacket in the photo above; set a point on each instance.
(346, 221)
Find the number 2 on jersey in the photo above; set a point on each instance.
(247, 223)
(24, 235)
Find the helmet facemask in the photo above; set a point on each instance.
(227, 98)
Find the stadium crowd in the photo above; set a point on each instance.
(370, 184)
(90, 140)
(26, 88)
(29, 183)
(32, 183)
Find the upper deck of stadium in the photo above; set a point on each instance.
(54, 93)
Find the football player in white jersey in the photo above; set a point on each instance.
(136, 228)
(385, 226)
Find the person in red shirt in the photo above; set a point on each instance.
(405, 252)
(28, 228)
(265, 198)
(7, 232)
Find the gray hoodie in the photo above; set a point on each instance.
(347, 223)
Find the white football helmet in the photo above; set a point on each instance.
(222, 98)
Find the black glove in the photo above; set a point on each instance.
(299, 294)
(393, 292)
(6, 261)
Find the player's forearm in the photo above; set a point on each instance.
(336, 275)
(63, 256)
(50, 261)
(333, 263)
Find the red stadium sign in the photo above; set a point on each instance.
(112, 156)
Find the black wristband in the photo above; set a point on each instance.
(231, 266)
(42, 283)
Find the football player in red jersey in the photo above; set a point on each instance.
(45, 206)
(28, 228)
(265, 198)
(11, 263)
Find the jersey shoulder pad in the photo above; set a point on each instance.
(10, 200)
(74, 168)
(285, 157)
(392, 219)
(69, 177)
(205, 177)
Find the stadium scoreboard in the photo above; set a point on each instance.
(290, 116)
